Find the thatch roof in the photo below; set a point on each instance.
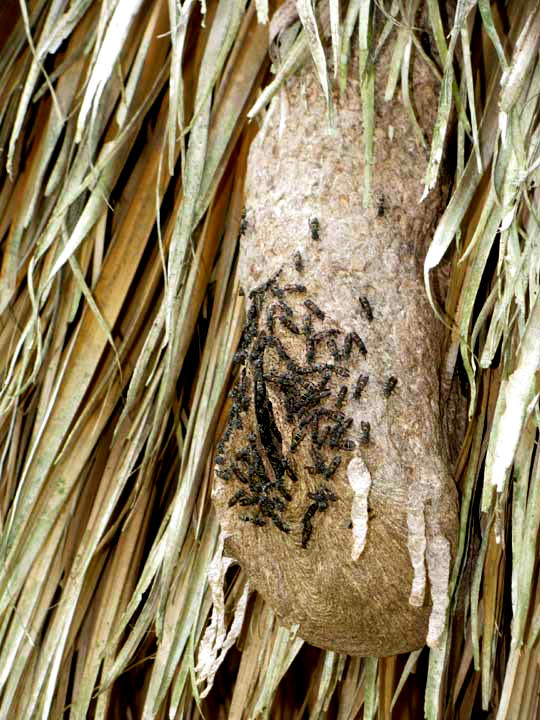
(124, 132)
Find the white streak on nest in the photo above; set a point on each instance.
(439, 573)
(360, 482)
(428, 547)
(215, 642)
(416, 542)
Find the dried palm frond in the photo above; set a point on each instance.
(124, 132)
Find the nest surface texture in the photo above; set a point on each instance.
(332, 480)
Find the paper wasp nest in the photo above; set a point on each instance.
(332, 480)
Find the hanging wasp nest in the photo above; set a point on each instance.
(332, 479)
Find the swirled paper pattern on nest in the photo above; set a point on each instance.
(332, 481)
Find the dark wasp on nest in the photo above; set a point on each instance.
(365, 306)
(314, 228)
(389, 386)
(321, 497)
(243, 224)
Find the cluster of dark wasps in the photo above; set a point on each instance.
(264, 473)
